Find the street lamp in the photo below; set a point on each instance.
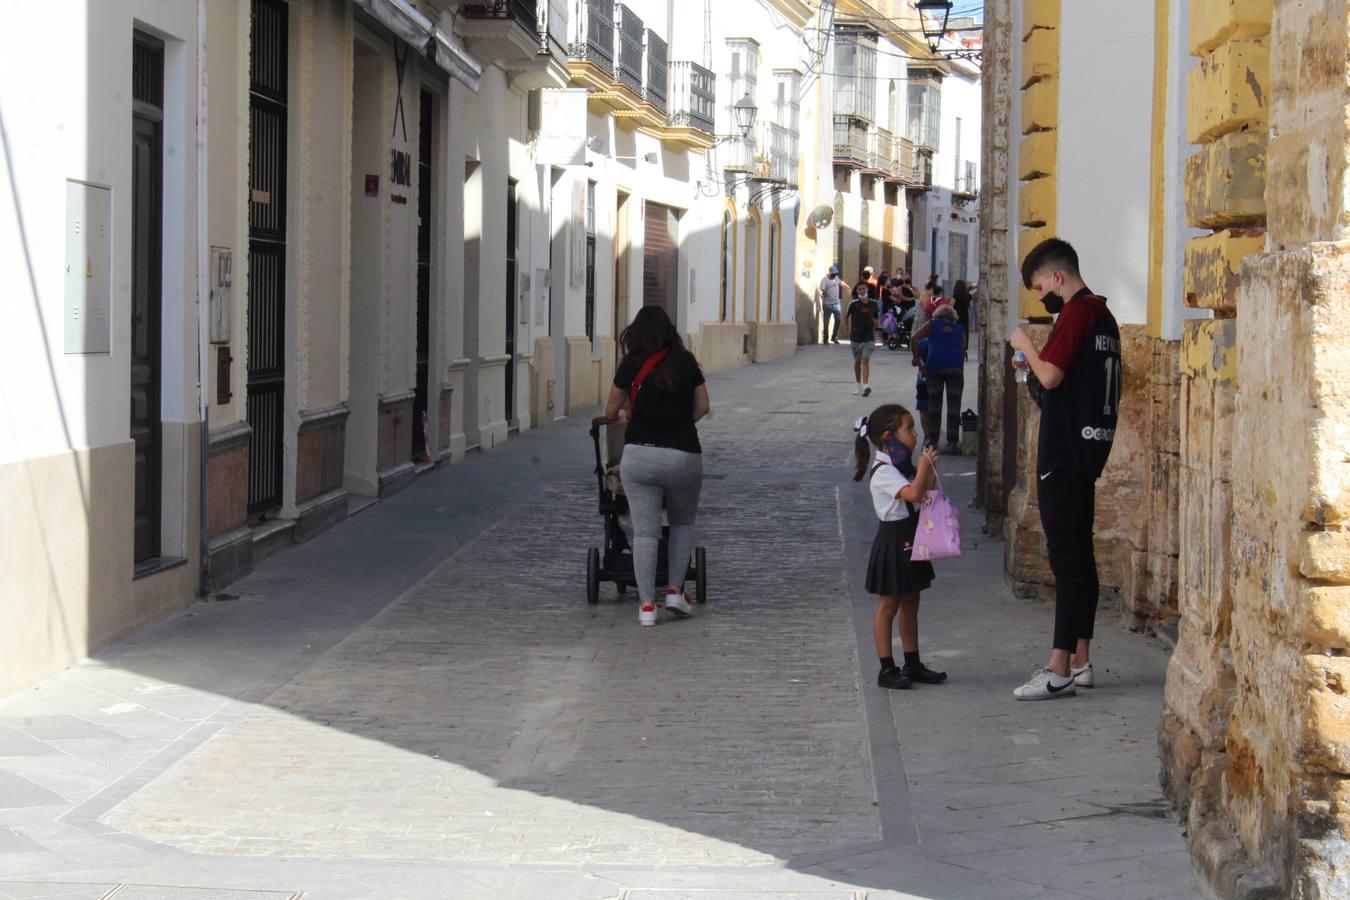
(933, 16)
(745, 111)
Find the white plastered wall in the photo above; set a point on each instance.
(1103, 168)
(1176, 230)
(66, 459)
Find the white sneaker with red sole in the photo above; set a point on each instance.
(647, 613)
(678, 604)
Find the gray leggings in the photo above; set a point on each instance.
(650, 475)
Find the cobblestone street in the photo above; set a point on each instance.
(420, 703)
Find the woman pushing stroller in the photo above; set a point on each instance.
(660, 392)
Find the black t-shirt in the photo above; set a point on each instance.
(664, 417)
(1078, 418)
(862, 322)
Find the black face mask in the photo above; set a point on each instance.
(1053, 303)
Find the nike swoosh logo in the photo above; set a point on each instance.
(1050, 686)
(1046, 475)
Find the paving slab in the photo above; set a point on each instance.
(419, 703)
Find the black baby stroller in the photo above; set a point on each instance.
(615, 562)
(896, 327)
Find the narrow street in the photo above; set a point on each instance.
(420, 703)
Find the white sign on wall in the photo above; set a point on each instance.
(577, 275)
(540, 298)
(88, 267)
(524, 299)
(562, 142)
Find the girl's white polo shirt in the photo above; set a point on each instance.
(886, 483)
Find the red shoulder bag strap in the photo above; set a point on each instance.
(652, 362)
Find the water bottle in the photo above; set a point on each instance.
(1019, 362)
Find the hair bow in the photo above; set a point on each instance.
(861, 426)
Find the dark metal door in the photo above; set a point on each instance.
(590, 262)
(510, 412)
(424, 228)
(266, 253)
(147, 234)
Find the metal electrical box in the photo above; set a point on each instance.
(222, 279)
(88, 268)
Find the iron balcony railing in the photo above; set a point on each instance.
(545, 20)
(592, 35)
(743, 154)
(782, 143)
(850, 141)
(880, 150)
(967, 184)
(628, 53)
(905, 165)
(693, 97)
(654, 83)
(553, 27)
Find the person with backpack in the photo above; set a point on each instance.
(945, 372)
(662, 387)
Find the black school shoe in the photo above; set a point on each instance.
(894, 679)
(923, 675)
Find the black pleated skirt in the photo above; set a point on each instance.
(890, 571)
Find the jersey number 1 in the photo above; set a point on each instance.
(1113, 379)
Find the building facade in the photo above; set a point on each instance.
(1209, 207)
(945, 218)
(320, 247)
(902, 128)
(100, 235)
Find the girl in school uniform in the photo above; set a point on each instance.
(885, 450)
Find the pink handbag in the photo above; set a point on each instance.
(938, 535)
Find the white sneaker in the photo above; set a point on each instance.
(647, 613)
(678, 604)
(1043, 686)
(857, 389)
(1082, 677)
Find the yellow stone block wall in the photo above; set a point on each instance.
(1289, 736)
(1224, 189)
(1136, 538)
(1038, 198)
(1227, 91)
(1256, 727)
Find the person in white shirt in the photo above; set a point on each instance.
(884, 448)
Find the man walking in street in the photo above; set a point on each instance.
(827, 295)
(1078, 372)
(861, 322)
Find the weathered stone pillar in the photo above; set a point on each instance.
(1037, 76)
(1257, 704)
(997, 88)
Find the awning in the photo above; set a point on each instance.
(430, 40)
(450, 55)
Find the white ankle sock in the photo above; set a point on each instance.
(1059, 680)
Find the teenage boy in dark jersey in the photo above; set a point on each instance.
(1079, 368)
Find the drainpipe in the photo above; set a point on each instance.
(203, 309)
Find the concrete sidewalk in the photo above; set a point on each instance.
(421, 704)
